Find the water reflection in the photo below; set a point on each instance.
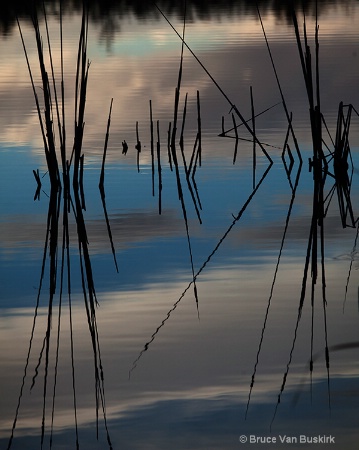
(231, 294)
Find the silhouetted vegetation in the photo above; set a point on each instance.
(62, 199)
(106, 12)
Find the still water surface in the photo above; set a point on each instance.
(190, 366)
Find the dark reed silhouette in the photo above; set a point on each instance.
(39, 184)
(232, 105)
(138, 148)
(352, 255)
(175, 159)
(293, 187)
(152, 151)
(159, 168)
(102, 175)
(236, 218)
(102, 188)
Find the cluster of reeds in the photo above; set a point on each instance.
(190, 170)
(319, 164)
(57, 242)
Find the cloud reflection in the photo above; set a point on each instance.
(210, 419)
(135, 79)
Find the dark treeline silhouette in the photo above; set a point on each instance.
(105, 11)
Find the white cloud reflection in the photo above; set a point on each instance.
(189, 361)
(232, 50)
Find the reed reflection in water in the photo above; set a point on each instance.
(159, 397)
